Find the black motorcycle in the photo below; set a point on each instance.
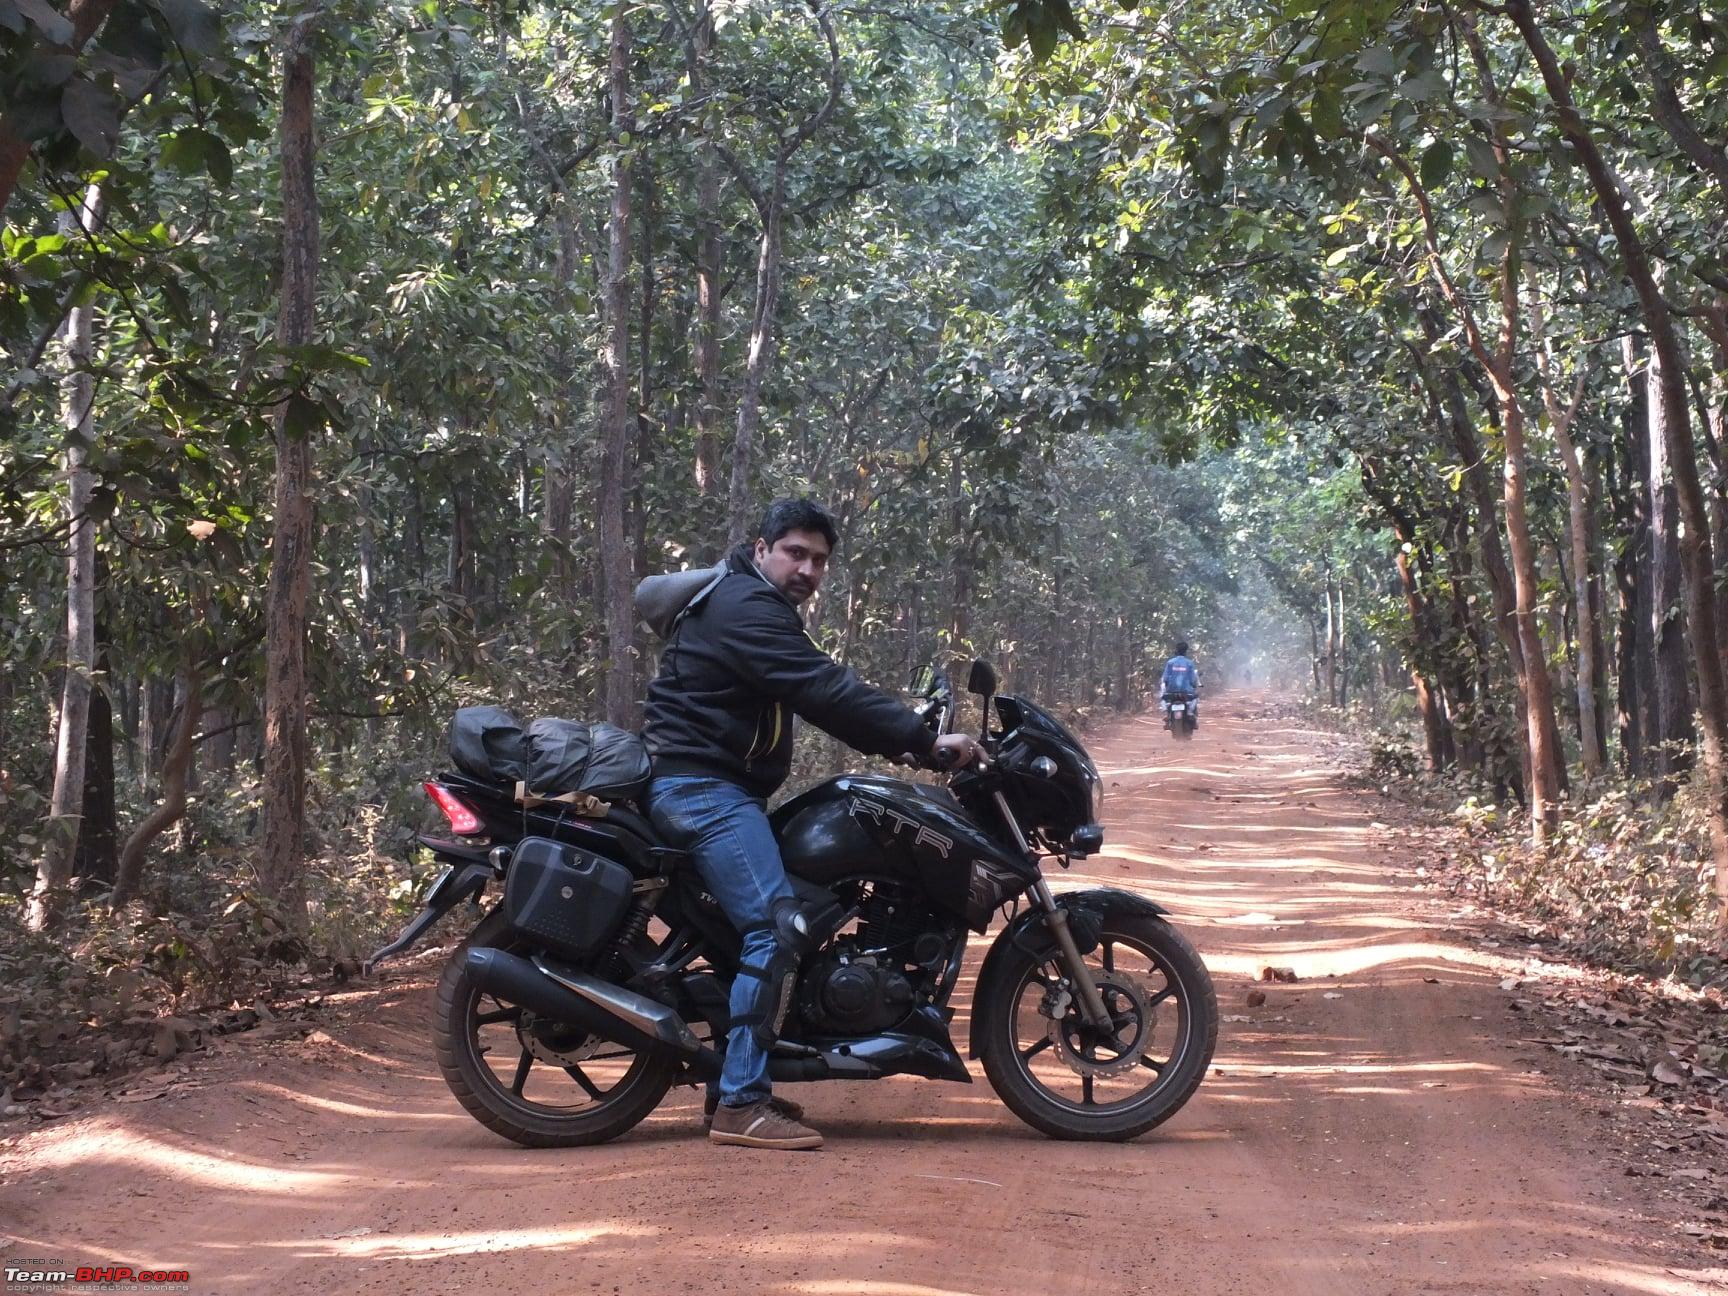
(601, 977)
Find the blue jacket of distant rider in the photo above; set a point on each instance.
(1181, 678)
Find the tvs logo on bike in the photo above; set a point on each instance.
(888, 817)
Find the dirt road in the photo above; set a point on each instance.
(1374, 1128)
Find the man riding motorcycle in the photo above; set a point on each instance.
(737, 667)
(1181, 681)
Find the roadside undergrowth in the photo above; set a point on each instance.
(1625, 883)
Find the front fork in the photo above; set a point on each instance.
(1056, 918)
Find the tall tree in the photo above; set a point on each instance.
(769, 199)
(1698, 560)
(281, 863)
(66, 807)
(1672, 735)
(1580, 530)
(1545, 759)
(619, 426)
(706, 354)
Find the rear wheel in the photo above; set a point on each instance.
(537, 1082)
(1073, 1081)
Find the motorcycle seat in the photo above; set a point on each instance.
(640, 829)
(634, 821)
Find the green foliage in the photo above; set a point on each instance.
(1096, 327)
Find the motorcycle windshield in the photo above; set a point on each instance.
(1017, 712)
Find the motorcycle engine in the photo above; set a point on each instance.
(853, 994)
(868, 979)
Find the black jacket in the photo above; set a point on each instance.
(738, 666)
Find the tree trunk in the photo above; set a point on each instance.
(770, 202)
(1541, 724)
(960, 562)
(98, 834)
(738, 509)
(459, 565)
(1713, 414)
(176, 771)
(1697, 559)
(66, 804)
(708, 250)
(1314, 646)
(1462, 659)
(1545, 756)
(367, 561)
(615, 468)
(558, 477)
(1123, 698)
(1451, 407)
(280, 862)
(1433, 722)
(1672, 735)
(1331, 643)
(1580, 534)
(219, 752)
(1634, 669)
(1339, 655)
(645, 423)
(145, 745)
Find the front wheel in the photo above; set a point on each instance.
(1071, 1080)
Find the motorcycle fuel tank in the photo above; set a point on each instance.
(868, 825)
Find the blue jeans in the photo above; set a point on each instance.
(726, 831)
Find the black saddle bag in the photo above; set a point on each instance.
(567, 900)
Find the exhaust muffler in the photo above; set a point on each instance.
(598, 1007)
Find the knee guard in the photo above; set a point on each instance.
(793, 939)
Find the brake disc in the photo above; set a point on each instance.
(528, 1028)
(1114, 987)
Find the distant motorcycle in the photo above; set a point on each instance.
(1181, 714)
(601, 976)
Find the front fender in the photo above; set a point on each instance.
(1087, 912)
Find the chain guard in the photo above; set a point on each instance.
(1114, 987)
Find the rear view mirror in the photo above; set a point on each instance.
(983, 679)
(923, 682)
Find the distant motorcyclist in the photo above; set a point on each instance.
(1181, 681)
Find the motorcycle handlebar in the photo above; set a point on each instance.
(939, 761)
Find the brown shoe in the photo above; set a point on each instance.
(762, 1125)
(785, 1106)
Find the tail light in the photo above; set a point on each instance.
(463, 821)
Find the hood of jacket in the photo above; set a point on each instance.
(661, 601)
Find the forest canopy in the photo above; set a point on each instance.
(360, 359)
